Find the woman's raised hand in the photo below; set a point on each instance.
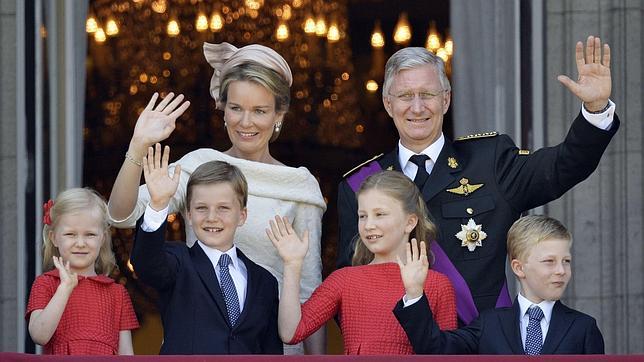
(291, 248)
(156, 123)
(414, 271)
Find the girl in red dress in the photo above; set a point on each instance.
(74, 307)
(391, 211)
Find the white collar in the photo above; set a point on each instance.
(546, 306)
(214, 254)
(432, 151)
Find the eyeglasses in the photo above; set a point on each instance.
(409, 96)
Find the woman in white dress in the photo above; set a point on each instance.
(252, 86)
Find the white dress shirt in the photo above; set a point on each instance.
(409, 168)
(407, 302)
(237, 269)
(546, 307)
(600, 120)
(153, 219)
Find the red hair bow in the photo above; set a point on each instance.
(46, 218)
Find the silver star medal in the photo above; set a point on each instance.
(471, 235)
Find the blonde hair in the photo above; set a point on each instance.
(530, 230)
(79, 200)
(399, 187)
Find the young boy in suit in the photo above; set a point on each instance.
(537, 322)
(213, 299)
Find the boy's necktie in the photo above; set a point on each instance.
(533, 337)
(228, 289)
(421, 175)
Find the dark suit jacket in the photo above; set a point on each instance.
(496, 331)
(513, 182)
(193, 311)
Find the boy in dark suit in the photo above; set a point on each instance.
(537, 322)
(213, 299)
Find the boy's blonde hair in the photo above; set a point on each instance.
(530, 230)
(79, 200)
(399, 187)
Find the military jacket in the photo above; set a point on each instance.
(487, 181)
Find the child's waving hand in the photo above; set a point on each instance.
(414, 271)
(160, 185)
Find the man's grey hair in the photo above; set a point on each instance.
(412, 57)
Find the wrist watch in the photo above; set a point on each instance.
(600, 111)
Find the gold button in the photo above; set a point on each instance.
(469, 210)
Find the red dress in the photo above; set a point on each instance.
(365, 297)
(96, 311)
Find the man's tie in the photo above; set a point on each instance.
(228, 288)
(421, 175)
(533, 337)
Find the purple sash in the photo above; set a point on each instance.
(465, 307)
(504, 297)
(356, 179)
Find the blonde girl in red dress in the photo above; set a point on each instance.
(74, 307)
(391, 211)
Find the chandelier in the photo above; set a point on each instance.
(137, 47)
(401, 36)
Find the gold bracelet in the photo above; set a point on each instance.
(132, 159)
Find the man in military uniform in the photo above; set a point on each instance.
(476, 186)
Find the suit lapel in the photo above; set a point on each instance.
(442, 175)
(209, 278)
(252, 285)
(560, 322)
(509, 321)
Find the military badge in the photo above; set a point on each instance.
(465, 189)
(471, 235)
(390, 168)
(451, 162)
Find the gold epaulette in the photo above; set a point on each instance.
(362, 164)
(477, 135)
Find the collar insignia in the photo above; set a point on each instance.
(451, 162)
(466, 188)
(471, 235)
